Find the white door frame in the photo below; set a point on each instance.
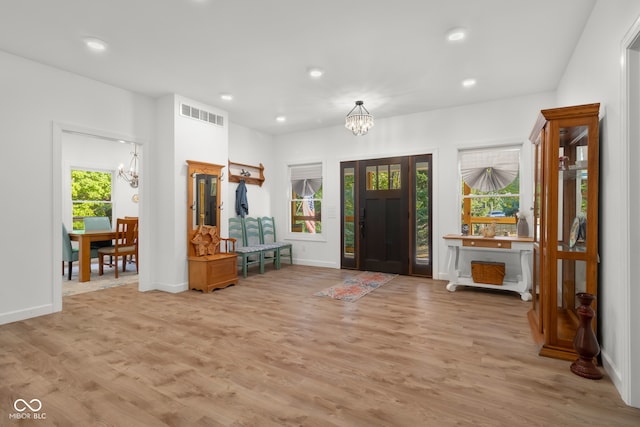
(58, 129)
(629, 385)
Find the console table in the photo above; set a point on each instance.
(497, 248)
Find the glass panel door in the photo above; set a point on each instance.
(386, 215)
(348, 204)
(422, 239)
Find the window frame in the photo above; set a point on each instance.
(466, 214)
(296, 235)
(103, 202)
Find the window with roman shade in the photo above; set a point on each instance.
(490, 188)
(306, 198)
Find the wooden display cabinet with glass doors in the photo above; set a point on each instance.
(565, 224)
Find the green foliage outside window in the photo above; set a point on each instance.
(422, 211)
(496, 201)
(349, 213)
(90, 196)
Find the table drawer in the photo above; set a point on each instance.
(487, 243)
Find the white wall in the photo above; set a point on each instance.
(440, 133)
(594, 75)
(34, 98)
(250, 147)
(181, 139)
(162, 220)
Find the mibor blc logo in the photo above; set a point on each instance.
(27, 410)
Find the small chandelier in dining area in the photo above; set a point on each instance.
(132, 175)
(359, 120)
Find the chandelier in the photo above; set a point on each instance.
(359, 120)
(131, 176)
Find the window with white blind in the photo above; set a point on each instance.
(490, 188)
(91, 195)
(306, 198)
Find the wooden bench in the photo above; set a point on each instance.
(213, 264)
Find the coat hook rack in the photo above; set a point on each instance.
(248, 173)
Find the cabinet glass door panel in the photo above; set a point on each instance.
(537, 191)
(572, 187)
(535, 289)
(571, 279)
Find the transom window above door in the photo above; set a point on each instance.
(383, 177)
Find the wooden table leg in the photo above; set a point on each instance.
(84, 264)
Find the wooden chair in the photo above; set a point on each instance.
(69, 253)
(266, 239)
(248, 255)
(126, 243)
(253, 236)
(131, 259)
(268, 236)
(92, 223)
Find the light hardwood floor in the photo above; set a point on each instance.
(267, 352)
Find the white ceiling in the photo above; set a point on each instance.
(393, 55)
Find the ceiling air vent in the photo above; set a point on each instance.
(202, 115)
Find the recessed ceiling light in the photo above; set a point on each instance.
(96, 45)
(456, 35)
(281, 119)
(469, 82)
(315, 72)
(226, 96)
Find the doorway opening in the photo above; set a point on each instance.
(78, 149)
(386, 207)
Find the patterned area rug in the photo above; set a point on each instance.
(108, 280)
(354, 288)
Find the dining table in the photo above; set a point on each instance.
(84, 239)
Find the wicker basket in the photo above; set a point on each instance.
(487, 272)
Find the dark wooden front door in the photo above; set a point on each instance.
(383, 215)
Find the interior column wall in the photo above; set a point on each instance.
(181, 138)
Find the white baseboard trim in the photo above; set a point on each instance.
(171, 288)
(614, 373)
(27, 313)
(314, 263)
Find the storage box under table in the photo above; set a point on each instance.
(488, 272)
